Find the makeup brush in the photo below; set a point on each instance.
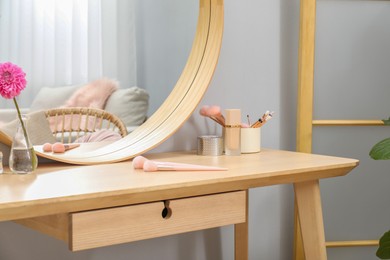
(61, 148)
(47, 147)
(204, 111)
(266, 117)
(214, 113)
(138, 162)
(141, 162)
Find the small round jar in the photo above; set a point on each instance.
(210, 145)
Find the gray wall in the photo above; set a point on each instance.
(257, 71)
(163, 43)
(352, 81)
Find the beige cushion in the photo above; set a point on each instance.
(52, 97)
(129, 104)
(37, 127)
(5, 150)
(38, 130)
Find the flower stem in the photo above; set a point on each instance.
(31, 151)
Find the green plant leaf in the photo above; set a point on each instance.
(383, 251)
(381, 151)
(386, 121)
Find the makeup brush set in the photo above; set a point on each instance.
(214, 113)
(237, 137)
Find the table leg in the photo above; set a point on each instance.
(241, 237)
(308, 200)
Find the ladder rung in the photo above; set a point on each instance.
(347, 122)
(352, 243)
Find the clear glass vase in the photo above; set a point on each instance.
(22, 159)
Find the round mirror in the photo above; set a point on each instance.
(177, 107)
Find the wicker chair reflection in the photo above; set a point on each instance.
(68, 124)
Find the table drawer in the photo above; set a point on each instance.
(104, 227)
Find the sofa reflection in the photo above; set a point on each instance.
(95, 112)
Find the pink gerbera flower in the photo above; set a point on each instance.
(12, 80)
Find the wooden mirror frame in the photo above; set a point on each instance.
(179, 105)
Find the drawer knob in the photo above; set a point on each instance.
(167, 211)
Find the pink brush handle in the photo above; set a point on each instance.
(151, 166)
(186, 167)
(71, 146)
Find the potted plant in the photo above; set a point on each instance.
(381, 151)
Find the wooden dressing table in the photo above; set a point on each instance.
(100, 205)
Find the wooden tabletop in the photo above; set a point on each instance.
(61, 188)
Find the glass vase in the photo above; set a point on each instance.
(22, 159)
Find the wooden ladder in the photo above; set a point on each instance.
(305, 120)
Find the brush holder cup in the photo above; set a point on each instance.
(250, 140)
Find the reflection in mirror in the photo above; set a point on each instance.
(177, 107)
(143, 43)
